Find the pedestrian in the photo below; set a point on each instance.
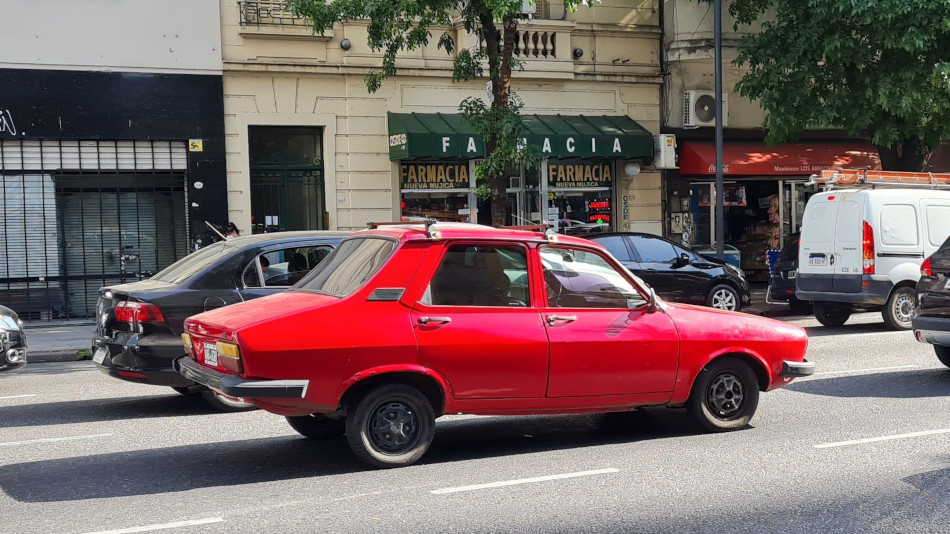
(232, 231)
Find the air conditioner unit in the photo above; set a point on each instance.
(699, 109)
(530, 7)
(664, 152)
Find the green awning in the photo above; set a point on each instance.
(441, 135)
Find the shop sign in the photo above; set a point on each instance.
(6, 122)
(434, 175)
(579, 174)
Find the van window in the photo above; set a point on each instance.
(898, 224)
(937, 217)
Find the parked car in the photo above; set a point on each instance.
(931, 321)
(575, 227)
(402, 324)
(139, 325)
(862, 249)
(13, 344)
(784, 272)
(679, 273)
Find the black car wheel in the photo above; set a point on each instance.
(317, 426)
(723, 297)
(391, 426)
(185, 390)
(724, 396)
(223, 403)
(830, 315)
(799, 307)
(899, 310)
(943, 354)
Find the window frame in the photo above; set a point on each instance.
(532, 299)
(619, 269)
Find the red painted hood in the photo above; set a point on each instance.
(252, 312)
(701, 324)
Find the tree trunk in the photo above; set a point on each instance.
(902, 157)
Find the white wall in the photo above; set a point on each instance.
(180, 36)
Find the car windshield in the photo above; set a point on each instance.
(790, 250)
(194, 263)
(348, 267)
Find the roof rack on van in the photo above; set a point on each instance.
(867, 177)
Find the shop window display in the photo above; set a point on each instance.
(448, 207)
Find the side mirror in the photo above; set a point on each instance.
(682, 261)
(651, 303)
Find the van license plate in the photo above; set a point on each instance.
(818, 260)
(211, 354)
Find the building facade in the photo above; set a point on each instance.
(111, 146)
(309, 148)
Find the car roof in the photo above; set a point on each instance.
(418, 232)
(258, 239)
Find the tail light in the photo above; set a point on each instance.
(138, 312)
(926, 269)
(868, 247)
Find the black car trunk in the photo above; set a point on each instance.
(934, 291)
(109, 297)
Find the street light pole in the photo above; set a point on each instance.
(720, 213)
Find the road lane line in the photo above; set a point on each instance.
(882, 438)
(855, 371)
(161, 526)
(47, 440)
(474, 487)
(17, 396)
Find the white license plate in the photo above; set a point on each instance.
(947, 285)
(100, 355)
(792, 274)
(818, 261)
(211, 354)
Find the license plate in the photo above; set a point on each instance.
(211, 354)
(100, 355)
(947, 285)
(792, 274)
(818, 260)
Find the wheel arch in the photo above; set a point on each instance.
(755, 361)
(429, 383)
(723, 280)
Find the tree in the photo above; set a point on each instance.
(397, 25)
(870, 67)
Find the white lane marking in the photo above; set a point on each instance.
(855, 371)
(48, 440)
(474, 487)
(161, 526)
(882, 438)
(839, 336)
(17, 396)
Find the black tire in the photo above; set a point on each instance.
(223, 403)
(317, 426)
(799, 307)
(830, 315)
(943, 354)
(371, 429)
(899, 311)
(723, 297)
(724, 396)
(185, 391)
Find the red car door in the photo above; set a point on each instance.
(476, 326)
(603, 339)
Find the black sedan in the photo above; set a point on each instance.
(677, 273)
(12, 340)
(139, 325)
(784, 273)
(931, 320)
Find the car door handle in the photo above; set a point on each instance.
(441, 320)
(561, 319)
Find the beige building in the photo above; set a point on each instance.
(309, 147)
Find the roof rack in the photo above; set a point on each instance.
(546, 230)
(429, 223)
(867, 177)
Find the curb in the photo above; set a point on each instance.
(66, 355)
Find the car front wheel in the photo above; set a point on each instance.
(223, 403)
(943, 354)
(830, 315)
(723, 297)
(317, 426)
(899, 310)
(724, 396)
(390, 426)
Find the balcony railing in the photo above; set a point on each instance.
(267, 13)
(535, 44)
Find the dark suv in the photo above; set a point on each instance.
(784, 273)
(931, 321)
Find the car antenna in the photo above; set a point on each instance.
(213, 227)
(368, 220)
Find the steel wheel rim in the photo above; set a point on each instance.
(904, 309)
(393, 427)
(725, 395)
(724, 300)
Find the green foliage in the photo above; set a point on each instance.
(503, 129)
(878, 67)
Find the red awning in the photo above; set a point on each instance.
(699, 157)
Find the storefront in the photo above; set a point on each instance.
(573, 186)
(765, 191)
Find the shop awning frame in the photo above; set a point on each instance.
(443, 135)
(758, 159)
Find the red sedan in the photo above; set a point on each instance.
(401, 324)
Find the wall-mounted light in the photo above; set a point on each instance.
(345, 44)
(632, 168)
(578, 53)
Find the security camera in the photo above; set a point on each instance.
(578, 53)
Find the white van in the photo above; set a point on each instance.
(862, 249)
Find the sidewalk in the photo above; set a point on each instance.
(71, 341)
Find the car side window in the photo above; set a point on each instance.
(615, 246)
(283, 268)
(653, 250)
(480, 275)
(576, 278)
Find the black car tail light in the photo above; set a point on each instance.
(137, 312)
(926, 269)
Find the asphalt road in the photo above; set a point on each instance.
(862, 446)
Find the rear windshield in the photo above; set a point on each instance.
(348, 267)
(790, 250)
(194, 263)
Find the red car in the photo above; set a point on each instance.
(401, 324)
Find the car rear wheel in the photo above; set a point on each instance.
(830, 315)
(943, 354)
(223, 403)
(185, 391)
(724, 396)
(390, 426)
(899, 310)
(799, 307)
(723, 297)
(317, 426)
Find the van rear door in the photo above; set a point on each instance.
(817, 245)
(848, 259)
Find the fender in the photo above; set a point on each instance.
(905, 272)
(396, 368)
(683, 386)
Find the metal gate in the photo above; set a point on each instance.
(287, 198)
